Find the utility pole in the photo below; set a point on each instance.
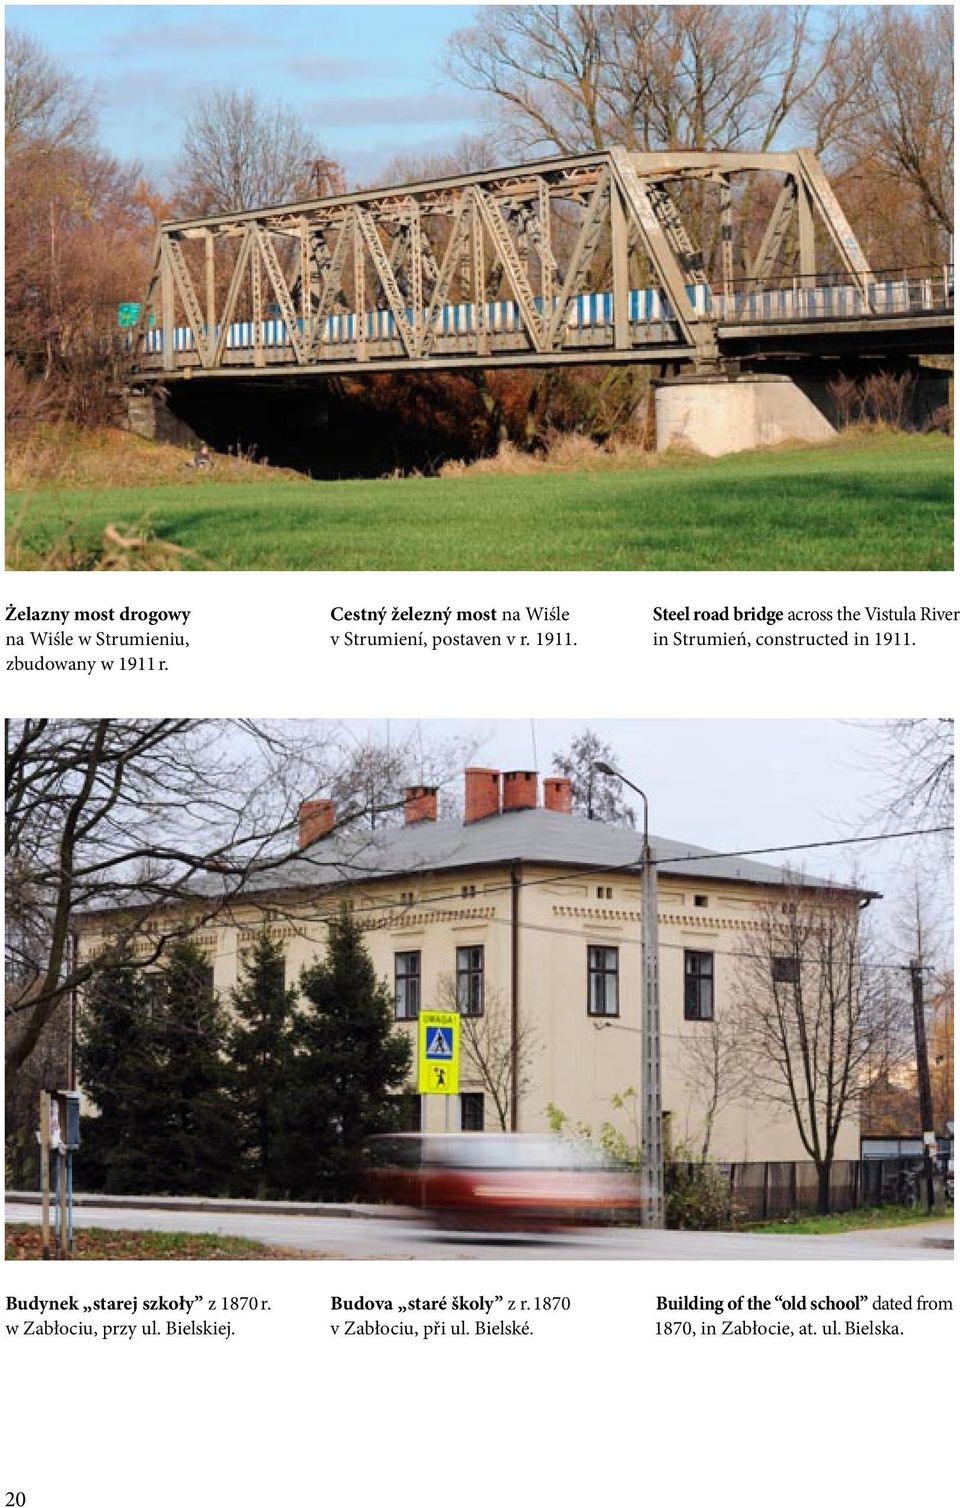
(651, 1062)
(652, 1107)
(44, 1139)
(327, 176)
(923, 1078)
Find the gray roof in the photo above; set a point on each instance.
(535, 835)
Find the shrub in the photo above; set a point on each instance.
(697, 1197)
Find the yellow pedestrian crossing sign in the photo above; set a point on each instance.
(439, 1052)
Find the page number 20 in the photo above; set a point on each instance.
(15, 1500)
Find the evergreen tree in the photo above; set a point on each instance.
(119, 1063)
(596, 796)
(260, 1050)
(202, 1145)
(349, 1061)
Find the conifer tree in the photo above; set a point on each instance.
(260, 1051)
(203, 1145)
(349, 1064)
(118, 1062)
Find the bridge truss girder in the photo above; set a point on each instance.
(538, 235)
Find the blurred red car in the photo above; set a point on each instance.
(506, 1180)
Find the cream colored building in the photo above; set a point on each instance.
(530, 917)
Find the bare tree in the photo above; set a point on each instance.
(940, 1038)
(580, 77)
(471, 154)
(716, 1072)
(917, 764)
(47, 1068)
(500, 1065)
(45, 107)
(238, 153)
(808, 1015)
(904, 125)
(77, 227)
(162, 823)
(377, 770)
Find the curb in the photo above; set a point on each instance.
(224, 1206)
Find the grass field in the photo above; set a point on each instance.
(880, 1217)
(24, 1243)
(878, 502)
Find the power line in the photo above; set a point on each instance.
(739, 853)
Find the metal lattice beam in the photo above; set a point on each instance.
(468, 268)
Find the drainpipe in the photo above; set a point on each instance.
(514, 990)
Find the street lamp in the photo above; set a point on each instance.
(652, 1139)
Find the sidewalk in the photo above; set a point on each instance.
(223, 1206)
(937, 1233)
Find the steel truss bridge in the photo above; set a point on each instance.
(564, 260)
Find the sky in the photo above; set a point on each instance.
(739, 784)
(366, 78)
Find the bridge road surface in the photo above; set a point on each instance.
(352, 1238)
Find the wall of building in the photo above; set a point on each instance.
(574, 1060)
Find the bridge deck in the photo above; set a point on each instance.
(919, 333)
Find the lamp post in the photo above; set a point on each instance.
(652, 1142)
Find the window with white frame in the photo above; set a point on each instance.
(470, 981)
(406, 986)
(603, 981)
(697, 985)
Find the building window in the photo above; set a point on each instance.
(698, 986)
(470, 981)
(406, 986)
(471, 1112)
(701, 900)
(406, 897)
(467, 892)
(786, 970)
(603, 990)
(604, 892)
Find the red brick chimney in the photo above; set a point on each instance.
(419, 804)
(481, 794)
(519, 790)
(558, 794)
(316, 820)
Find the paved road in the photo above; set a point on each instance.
(405, 1239)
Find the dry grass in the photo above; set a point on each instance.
(62, 455)
(49, 458)
(563, 453)
(23, 1244)
(115, 551)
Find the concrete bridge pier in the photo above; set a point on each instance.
(720, 414)
(149, 415)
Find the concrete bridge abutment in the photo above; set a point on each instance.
(720, 414)
(150, 416)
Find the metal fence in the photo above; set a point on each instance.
(774, 1190)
